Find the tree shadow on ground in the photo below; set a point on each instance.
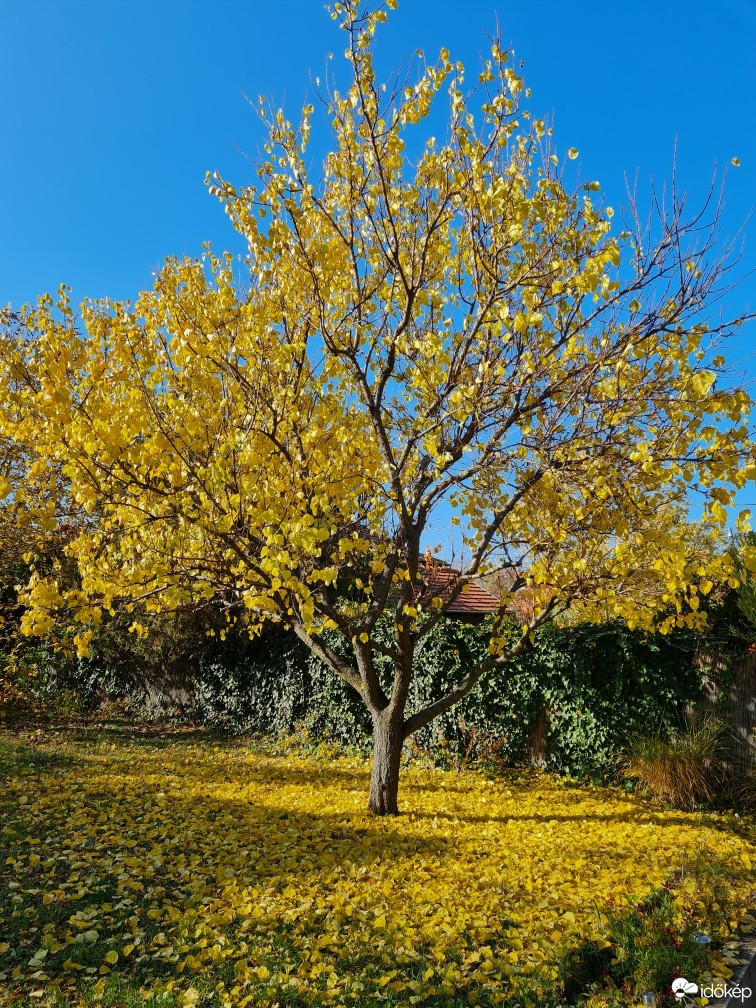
(21, 759)
(560, 817)
(93, 729)
(198, 837)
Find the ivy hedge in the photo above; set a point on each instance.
(573, 698)
(570, 701)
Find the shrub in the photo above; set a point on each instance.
(29, 686)
(743, 791)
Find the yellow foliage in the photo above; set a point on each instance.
(226, 443)
(221, 874)
(451, 336)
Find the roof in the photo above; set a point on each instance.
(438, 581)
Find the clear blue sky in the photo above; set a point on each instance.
(112, 111)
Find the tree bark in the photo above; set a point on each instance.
(388, 739)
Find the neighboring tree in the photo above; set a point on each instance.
(742, 613)
(437, 326)
(33, 532)
(14, 543)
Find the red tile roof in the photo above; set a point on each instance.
(438, 582)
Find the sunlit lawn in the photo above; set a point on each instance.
(184, 872)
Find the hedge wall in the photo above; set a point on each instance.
(570, 701)
(583, 690)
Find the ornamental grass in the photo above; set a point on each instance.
(189, 873)
(685, 769)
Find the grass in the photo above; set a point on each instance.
(179, 871)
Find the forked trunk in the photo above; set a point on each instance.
(388, 739)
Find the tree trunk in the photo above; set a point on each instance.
(539, 736)
(388, 739)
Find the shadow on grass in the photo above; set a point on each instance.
(560, 817)
(93, 730)
(17, 759)
(271, 845)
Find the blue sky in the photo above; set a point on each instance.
(113, 110)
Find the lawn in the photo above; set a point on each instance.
(180, 872)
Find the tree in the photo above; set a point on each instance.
(33, 533)
(451, 330)
(742, 608)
